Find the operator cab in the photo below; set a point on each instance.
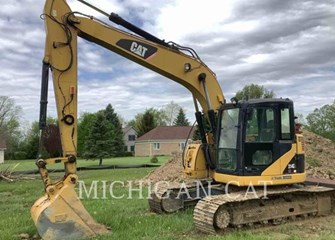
(253, 135)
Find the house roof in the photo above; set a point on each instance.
(2, 143)
(127, 129)
(167, 133)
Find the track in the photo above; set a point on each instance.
(220, 211)
(236, 210)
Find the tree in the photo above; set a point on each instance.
(159, 116)
(10, 125)
(170, 112)
(322, 121)
(8, 111)
(117, 140)
(31, 140)
(146, 123)
(123, 121)
(100, 138)
(84, 125)
(142, 126)
(181, 119)
(196, 135)
(300, 119)
(254, 91)
(51, 140)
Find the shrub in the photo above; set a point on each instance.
(313, 162)
(154, 159)
(126, 154)
(20, 155)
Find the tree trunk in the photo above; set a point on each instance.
(100, 162)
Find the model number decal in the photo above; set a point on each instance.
(282, 177)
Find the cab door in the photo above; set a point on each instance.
(267, 136)
(260, 138)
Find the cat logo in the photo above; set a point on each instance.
(138, 49)
(141, 49)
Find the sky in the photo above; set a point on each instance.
(287, 46)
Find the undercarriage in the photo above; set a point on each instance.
(219, 207)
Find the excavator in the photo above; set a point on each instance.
(249, 143)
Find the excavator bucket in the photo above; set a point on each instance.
(61, 215)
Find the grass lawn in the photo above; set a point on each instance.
(128, 218)
(21, 165)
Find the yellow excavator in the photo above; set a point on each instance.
(249, 143)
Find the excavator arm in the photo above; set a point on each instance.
(59, 214)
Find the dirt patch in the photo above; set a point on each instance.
(320, 156)
(171, 171)
(320, 161)
(312, 229)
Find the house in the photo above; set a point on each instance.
(2, 150)
(163, 140)
(129, 137)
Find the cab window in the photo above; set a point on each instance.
(260, 125)
(285, 124)
(227, 152)
(260, 128)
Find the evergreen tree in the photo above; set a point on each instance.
(181, 119)
(146, 123)
(100, 139)
(85, 123)
(117, 140)
(196, 134)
